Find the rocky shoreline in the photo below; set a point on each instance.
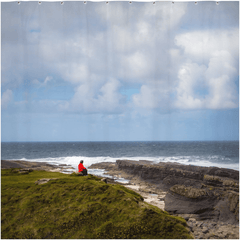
(207, 197)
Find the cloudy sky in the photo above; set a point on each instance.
(119, 71)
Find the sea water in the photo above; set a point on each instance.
(223, 154)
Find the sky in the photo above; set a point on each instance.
(119, 71)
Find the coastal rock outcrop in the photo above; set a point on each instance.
(209, 194)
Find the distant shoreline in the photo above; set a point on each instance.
(6, 164)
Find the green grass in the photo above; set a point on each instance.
(79, 207)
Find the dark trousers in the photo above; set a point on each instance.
(83, 172)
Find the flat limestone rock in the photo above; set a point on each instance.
(25, 171)
(44, 180)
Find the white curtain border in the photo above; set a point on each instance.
(120, 1)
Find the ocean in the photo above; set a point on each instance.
(223, 154)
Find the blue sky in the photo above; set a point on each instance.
(120, 71)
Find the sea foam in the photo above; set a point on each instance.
(187, 160)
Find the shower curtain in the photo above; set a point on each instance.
(97, 95)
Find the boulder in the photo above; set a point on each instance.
(44, 180)
(188, 200)
(25, 171)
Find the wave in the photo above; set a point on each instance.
(204, 161)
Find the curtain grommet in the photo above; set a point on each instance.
(217, 3)
(154, 2)
(19, 3)
(85, 2)
(196, 3)
(106, 2)
(39, 3)
(172, 2)
(61, 3)
(130, 2)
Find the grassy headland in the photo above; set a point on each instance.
(79, 207)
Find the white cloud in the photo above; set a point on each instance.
(205, 74)
(221, 63)
(42, 84)
(210, 68)
(190, 78)
(203, 44)
(154, 96)
(146, 98)
(110, 99)
(47, 79)
(7, 97)
(75, 73)
(89, 98)
(222, 93)
(137, 65)
(35, 81)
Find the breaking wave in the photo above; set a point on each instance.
(210, 161)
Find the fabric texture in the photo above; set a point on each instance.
(80, 167)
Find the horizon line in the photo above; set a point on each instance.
(126, 141)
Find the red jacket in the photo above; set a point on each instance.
(80, 167)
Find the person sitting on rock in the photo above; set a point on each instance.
(81, 169)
